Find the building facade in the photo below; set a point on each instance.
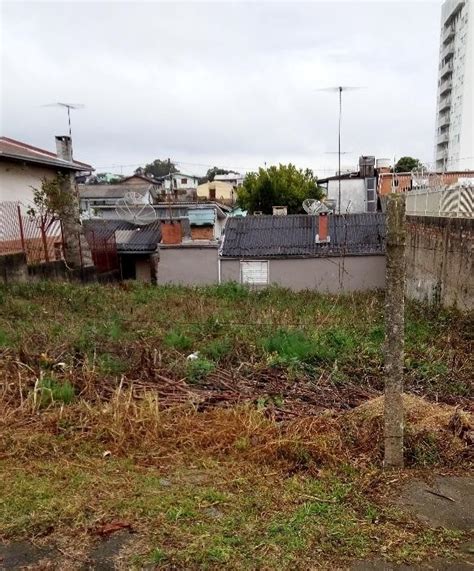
(332, 253)
(454, 145)
(24, 167)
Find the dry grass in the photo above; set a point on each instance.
(435, 434)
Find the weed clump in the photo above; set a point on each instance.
(49, 391)
(178, 340)
(198, 369)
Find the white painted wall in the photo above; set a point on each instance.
(178, 178)
(17, 179)
(353, 194)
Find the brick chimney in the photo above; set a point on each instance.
(323, 228)
(64, 147)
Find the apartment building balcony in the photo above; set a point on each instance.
(445, 86)
(444, 120)
(447, 69)
(448, 34)
(443, 138)
(442, 154)
(445, 103)
(447, 51)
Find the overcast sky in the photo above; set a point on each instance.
(231, 84)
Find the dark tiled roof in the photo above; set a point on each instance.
(128, 236)
(281, 236)
(103, 191)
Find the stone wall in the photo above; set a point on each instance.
(439, 260)
(14, 268)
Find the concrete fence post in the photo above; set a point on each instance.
(394, 331)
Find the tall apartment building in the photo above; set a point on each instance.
(454, 145)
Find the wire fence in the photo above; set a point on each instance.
(39, 237)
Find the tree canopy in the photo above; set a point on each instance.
(50, 202)
(282, 185)
(211, 173)
(157, 168)
(407, 164)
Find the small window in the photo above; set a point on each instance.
(254, 273)
(184, 181)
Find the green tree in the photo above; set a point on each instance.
(157, 168)
(211, 173)
(50, 203)
(282, 185)
(407, 164)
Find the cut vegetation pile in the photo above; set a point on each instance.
(136, 427)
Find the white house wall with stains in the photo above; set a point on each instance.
(353, 194)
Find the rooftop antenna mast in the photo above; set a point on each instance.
(339, 89)
(68, 106)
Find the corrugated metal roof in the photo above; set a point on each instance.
(128, 236)
(295, 235)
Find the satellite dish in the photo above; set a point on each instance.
(313, 206)
(132, 209)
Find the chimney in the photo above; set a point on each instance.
(323, 228)
(280, 210)
(64, 147)
(382, 165)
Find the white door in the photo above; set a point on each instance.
(254, 272)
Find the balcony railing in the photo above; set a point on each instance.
(445, 86)
(448, 50)
(448, 33)
(444, 120)
(446, 69)
(443, 138)
(445, 103)
(441, 154)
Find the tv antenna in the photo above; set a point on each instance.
(339, 89)
(132, 209)
(68, 106)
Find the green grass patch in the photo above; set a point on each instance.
(178, 340)
(198, 369)
(49, 391)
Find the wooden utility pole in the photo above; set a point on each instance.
(394, 330)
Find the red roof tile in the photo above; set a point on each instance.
(10, 148)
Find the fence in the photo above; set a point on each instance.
(40, 238)
(455, 203)
(103, 250)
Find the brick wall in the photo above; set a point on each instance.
(439, 260)
(202, 232)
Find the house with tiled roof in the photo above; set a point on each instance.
(23, 166)
(326, 252)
